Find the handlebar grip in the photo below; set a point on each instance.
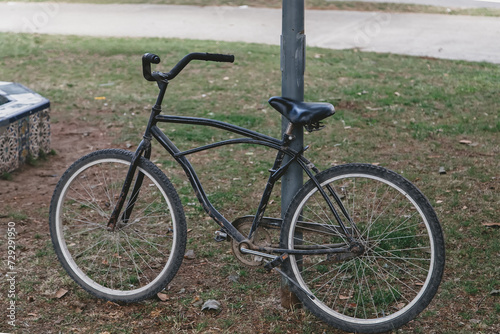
(197, 56)
(147, 59)
(219, 57)
(152, 58)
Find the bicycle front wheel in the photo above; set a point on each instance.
(143, 253)
(401, 267)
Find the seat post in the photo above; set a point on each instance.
(289, 130)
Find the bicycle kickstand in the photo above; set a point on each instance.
(278, 261)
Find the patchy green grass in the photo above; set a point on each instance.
(413, 115)
(6, 176)
(13, 213)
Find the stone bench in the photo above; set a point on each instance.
(24, 125)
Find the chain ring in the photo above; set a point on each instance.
(261, 238)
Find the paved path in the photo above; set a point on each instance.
(470, 38)
(443, 3)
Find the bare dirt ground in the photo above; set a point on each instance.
(31, 187)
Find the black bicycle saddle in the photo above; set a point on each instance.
(302, 113)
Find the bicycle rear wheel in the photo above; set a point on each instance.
(399, 272)
(142, 255)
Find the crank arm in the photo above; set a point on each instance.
(256, 253)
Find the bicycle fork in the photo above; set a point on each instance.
(144, 148)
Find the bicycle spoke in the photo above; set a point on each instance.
(327, 215)
(146, 241)
(89, 248)
(89, 204)
(136, 267)
(142, 258)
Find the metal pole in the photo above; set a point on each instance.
(292, 86)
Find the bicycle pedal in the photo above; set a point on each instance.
(220, 236)
(276, 262)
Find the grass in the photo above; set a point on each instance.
(6, 176)
(313, 4)
(14, 213)
(414, 132)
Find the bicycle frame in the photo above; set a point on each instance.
(250, 137)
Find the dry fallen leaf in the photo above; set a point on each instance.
(211, 304)
(155, 313)
(61, 292)
(197, 301)
(465, 142)
(163, 297)
(189, 254)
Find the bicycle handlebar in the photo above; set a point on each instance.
(149, 58)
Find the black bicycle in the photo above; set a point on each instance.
(360, 245)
